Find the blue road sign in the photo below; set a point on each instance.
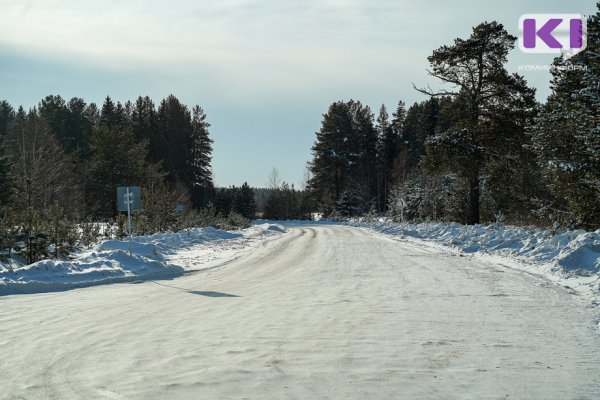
(129, 194)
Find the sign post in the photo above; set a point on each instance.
(128, 199)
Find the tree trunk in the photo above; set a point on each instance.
(473, 217)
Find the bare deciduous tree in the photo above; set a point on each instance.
(274, 179)
(43, 174)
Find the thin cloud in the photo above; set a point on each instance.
(247, 46)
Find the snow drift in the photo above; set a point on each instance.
(575, 252)
(141, 258)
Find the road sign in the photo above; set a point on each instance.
(129, 196)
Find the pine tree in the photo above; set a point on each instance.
(61, 232)
(485, 90)
(159, 211)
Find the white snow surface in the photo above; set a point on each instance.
(161, 255)
(571, 258)
(322, 312)
(576, 251)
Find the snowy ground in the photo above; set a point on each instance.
(158, 256)
(570, 259)
(323, 312)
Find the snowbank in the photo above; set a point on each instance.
(141, 258)
(576, 252)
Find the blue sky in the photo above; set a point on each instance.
(264, 71)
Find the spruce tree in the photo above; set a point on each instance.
(109, 115)
(224, 198)
(331, 155)
(53, 109)
(145, 120)
(345, 157)
(200, 160)
(173, 143)
(566, 136)
(382, 128)
(92, 114)
(389, 148)
(78, 128)
(6, 178)
(413, 127)
(363, 161)
(7, 116)
(284, 203)
(245, 203)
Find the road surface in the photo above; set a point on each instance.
(325, 312)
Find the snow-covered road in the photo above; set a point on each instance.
(324, 312)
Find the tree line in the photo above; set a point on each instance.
(61, 161)
(482, 151)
